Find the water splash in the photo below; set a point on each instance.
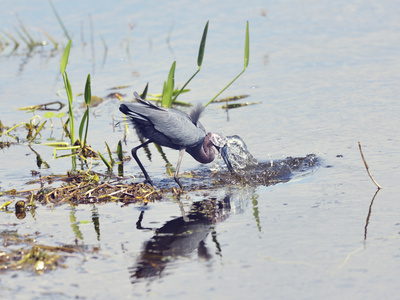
(248, 170)
(238, 155)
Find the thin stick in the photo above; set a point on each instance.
(366, 166)
(369, 215)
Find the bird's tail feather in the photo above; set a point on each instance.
(146, 102)
(133, 114)
(196, 112)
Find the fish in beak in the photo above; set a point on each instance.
(220, 142)
(224, 153)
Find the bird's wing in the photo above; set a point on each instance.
(176, 126)
(140, 111)
(179, 128)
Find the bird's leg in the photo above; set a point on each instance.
(178, 165)
(134, 150)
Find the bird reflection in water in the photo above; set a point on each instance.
(179, 238)
(182, 236)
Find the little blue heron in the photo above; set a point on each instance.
(174, 129)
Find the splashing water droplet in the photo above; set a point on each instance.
(238, 155)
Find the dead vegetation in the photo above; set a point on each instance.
(30, 256)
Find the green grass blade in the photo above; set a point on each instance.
(183, 88)
(171, 83)
(88, 91)
(64, 59)
(82, 126)
(225, 87)
(169, 88)
(109, 154)
(87, 127)
(119, 151)
(247, 47)
(70, 109)
(56, 144)
(85, 118)
(164, 94)
(37, 132)
(109, 167)
(202, 46)
(5, 204)
(68, 88)
(199, 60)
(246, 63)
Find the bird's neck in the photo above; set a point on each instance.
(203, 152)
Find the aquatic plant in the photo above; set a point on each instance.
(85, 119)
(84, 124)
(168, 88)
(109, 164)
(80, 143)
(199, 59)
(246, 63)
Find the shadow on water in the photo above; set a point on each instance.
(185, 236)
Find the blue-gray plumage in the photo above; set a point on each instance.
(174, 129)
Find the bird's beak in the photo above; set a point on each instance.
(224, 154)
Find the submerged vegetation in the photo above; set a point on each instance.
(23, 253)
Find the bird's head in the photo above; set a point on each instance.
(221, 143)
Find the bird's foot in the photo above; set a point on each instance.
(149, 182)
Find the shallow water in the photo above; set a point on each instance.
(326, 75)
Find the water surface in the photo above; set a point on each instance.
(326, 75)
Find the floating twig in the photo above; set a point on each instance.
(44, 106)
(366, 166)
(369, 215)
(232, 98)
(236, 105)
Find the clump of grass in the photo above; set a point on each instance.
(79, 144)
(109, 164)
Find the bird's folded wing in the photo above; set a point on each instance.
(178, 127)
